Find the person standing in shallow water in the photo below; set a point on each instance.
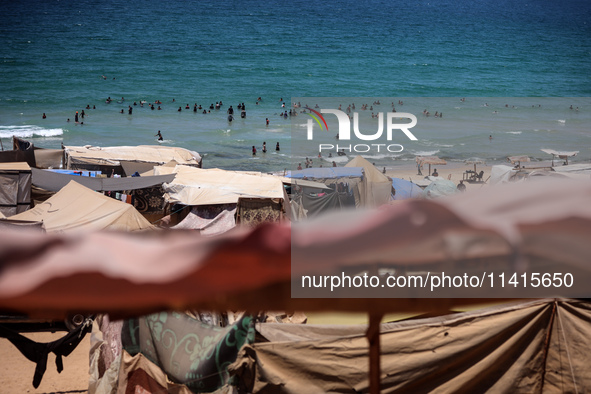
(159, 135)
(277, 147)
(264, 147)
(254, 150)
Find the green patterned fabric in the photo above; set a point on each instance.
(189, 351)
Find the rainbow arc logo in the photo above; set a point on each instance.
(317, 117)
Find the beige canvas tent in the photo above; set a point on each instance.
(195, 186)
(15, 188)
(76, 208)
(376, 189)
(128, 158)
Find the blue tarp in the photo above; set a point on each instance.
(326, 172)
(77, 172)
(405, 189)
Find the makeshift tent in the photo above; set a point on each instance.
(16, 156)
(15, 188)
(405, 189)
(43, 158)
(537, 346)
(77, 208)
(53, 181)
(127, 159)
(440, 187)
(347, 184)
(561, 154)
(501, 174)
(376, 188)
(195, 186)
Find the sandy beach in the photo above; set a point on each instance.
(16, 376)
(451, 171)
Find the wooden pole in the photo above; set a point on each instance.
(373, 337)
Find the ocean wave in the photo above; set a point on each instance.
(562, 121)
(513, 132)
(425, 153)
(28, 131)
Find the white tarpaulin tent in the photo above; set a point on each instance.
(118, 155)
(196, 186)
(77, 208)
(377, 188)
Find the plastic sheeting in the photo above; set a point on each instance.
(209, 220)
(15, 188)
(326, 173)
(187, 350)
(440, 187)
(54, 181)
(405, 189)
(319, 203)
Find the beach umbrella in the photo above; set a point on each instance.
(561, 154)
(510, 228)
(475, 162)
(429, 160)
(518, 159)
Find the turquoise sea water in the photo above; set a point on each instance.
(58, 57)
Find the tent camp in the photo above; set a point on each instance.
(77, 208)
(376, 188)
(527, 227)
(15, 188)
(127, 160)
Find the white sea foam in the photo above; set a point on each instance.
(28, 131)
(562, 121)
(514, 132)
(425, 153)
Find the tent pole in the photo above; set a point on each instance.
(373, 337)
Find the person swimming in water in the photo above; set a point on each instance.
(159, 135)
(277, 147)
